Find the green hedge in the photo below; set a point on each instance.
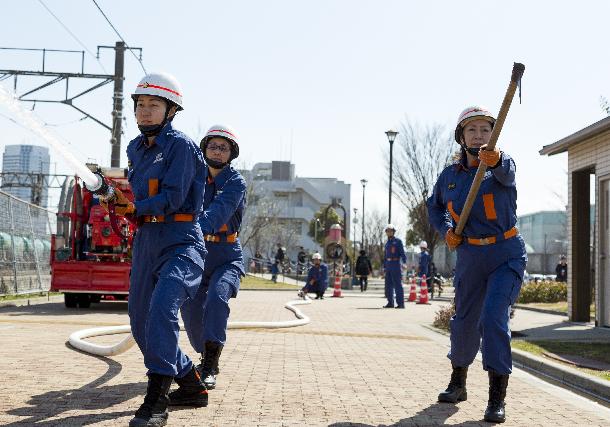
(543, 292)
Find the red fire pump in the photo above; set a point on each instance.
(90, 261)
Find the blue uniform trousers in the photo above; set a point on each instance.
(161, 281)
(487, 282)
(393, 284)
(206, 316)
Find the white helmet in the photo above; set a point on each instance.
(225, 132)
(316, 256)
(472, 113)
(390, 227)
(423, 244)
(162, 85)
(222, 131)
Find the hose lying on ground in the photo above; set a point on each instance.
(77, 339)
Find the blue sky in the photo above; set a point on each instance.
(318, 82)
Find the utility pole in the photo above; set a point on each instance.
(117, 112)
(64, 77)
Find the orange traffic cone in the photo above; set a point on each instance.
(337, 289)
(423, 291)
(413, 293)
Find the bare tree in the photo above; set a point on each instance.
(422, 153)
(260, 225)
(375, 237)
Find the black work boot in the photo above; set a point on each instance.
(153, 412)
(456, 390)
(192, 391)
(209, 364)
(497, 392)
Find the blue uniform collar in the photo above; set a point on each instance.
(220, 179)
(160, 139)
(462, 164)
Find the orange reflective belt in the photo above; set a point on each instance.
(179, 217)
(493, 239)
(216, 238)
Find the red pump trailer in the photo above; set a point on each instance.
(89, 261)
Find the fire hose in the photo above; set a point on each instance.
(77, 339)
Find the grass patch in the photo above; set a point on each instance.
(594, 351)
(27, 296)
(252, 282)
(561, 306)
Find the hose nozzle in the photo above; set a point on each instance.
(102, 189)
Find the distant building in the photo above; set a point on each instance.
(295, 200)
(23, 158)
(546, 237)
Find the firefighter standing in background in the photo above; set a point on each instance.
(394, 254)
(491, 258)
(167, 177)
(205, 318)
(424, 264)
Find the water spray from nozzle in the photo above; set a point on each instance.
(30, 121)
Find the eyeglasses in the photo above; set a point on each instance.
(219, 148)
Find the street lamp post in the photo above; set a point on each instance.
(315, 231)
(363, 182)
(354, 221)
(391, 134)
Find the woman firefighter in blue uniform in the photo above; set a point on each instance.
(205, 317)
(491, 258)
(167, 177)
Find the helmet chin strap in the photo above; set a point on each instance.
(215, 164)
(471, 150)
(154, 130)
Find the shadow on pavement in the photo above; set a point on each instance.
(565, 331)
(59, 309)
(45, 409)
(434, 415)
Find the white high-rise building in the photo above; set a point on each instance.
(294, 200)
(23, 158)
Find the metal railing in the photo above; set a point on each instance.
(25, 246)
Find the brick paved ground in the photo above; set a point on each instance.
(354, 364)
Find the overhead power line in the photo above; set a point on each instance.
(121, 37)
(73, 35)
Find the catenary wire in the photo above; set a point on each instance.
(73, 35)
(121, 37)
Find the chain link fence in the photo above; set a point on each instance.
(25, 246)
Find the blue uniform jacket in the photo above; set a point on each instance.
(424, 263)
(169, 178)
(394, 254)
(223, 209)
(495, 208)
(318, 277)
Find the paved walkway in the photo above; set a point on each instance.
(354, 364)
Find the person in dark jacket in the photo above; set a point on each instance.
(562, 269)
(363, 269)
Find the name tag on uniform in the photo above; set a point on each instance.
(158, 158)
(451, 186)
